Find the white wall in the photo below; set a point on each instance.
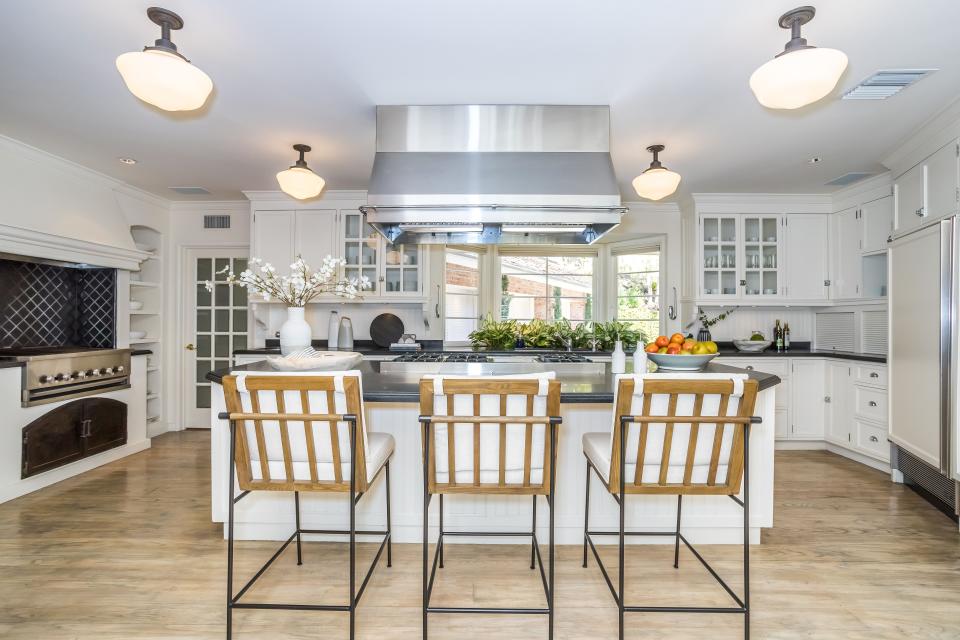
(745, 320)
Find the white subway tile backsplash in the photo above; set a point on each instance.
(745, 320)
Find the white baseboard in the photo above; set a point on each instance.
(48, 478)
(800, 445)
(879, 465)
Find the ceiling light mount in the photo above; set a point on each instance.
(655, 149)
(302, 149)
(168, 21)
(793, 20)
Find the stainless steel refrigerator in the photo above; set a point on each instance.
(923, 366)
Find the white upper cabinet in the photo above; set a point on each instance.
(807, 256)
(273, 233)
(761, 257)
(910, 193)
(943, 181)
(314, 236)
(720, 250)
(876, 217)
(361, 250)
(846, 254)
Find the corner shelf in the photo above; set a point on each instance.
(142, 283)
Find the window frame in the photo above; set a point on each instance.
(646, 244)
(482, 253)
(590, 251)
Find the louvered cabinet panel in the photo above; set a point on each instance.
(836, 331)
(874, 332)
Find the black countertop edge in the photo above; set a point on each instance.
(806, 353)
(378, 387)
(141, 352)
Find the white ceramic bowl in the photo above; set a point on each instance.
(669, 362)
(751, 346)
(323, 361)
(136, 305)
(136, 335)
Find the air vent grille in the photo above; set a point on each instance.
(216, 222)
(190, 191)
(886, 83)
(849, 178)
(875, 332)
(835, 331)
(929, 478)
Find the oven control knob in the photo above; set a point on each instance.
(78, 375)
(107, 371)
(90, 372)
(44, 379)
(119, 368)
(61, 376)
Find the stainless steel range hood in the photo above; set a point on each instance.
(493, 174)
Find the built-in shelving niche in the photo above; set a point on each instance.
(146, 287)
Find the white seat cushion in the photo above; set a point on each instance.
(597, 448)
(379, 448)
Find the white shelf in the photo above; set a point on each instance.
(146, 340)
(142, 283)
(152, 369)
(153, 418)
(153, 396)
(141, 312)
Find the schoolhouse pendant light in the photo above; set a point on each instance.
(159, 75)
(657, 182)
(801, 74)
(299, 181)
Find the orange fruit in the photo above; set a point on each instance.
(673, 348)
(662, 341)
(652, 348)
(677, 338)
(689, 344)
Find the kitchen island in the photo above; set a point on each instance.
(392, 406)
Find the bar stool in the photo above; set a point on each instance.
(693, 439)
(303, 432)
(504, 435)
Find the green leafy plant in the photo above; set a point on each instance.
(538, 334)
(707, 322)
(609, 332)
(499, 335)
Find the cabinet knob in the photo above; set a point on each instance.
(872, 403)
(743, 283)
(874, 439)
(874, 374)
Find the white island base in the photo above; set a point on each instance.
(706, 519)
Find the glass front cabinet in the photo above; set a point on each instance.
(393, 270)
(740, 256)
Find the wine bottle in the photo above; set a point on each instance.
(778, 336)
(786, 337)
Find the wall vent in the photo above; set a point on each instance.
(835, 331)
(216, 222)
(849, 178)
(885, 83)
(928, 478)
(190, 191)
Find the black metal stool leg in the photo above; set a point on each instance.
(296, 506)
(233, 448)
(586, 515)
(746, 532)
(440, 541)
(533, 544)
(623, 568)
(553, 502)
(353, 533)
(676, 548)
(389, 534)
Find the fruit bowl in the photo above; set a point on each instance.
(751, 346)
(681, 362)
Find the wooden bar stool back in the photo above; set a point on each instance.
(303, 433)
(674, 434)
(489, 435)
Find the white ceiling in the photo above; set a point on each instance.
(305, 71)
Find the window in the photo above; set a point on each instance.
(638, 289)
(546, 287)
(462, 294)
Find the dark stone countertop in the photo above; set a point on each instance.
(404, 387)
(141, 352)
(804, 353)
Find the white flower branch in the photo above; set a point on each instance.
(298, 288)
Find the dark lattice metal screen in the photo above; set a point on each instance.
(46, 305)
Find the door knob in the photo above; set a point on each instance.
(190, 347)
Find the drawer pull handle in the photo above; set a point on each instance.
(874, 374)
(874, 439)
(872, 403)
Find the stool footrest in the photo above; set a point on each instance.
(487, 610)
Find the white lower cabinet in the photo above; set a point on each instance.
(843, 402)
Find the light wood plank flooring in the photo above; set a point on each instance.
(128, 551)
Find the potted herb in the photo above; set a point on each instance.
(706, 322)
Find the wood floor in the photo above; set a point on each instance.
(128, 551)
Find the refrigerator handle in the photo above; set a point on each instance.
(948, 265)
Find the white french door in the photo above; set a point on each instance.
(214, 325)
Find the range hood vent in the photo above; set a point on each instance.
(493, 174)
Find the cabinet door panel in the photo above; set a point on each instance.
(807, 405)
(316, 237)
(839, 417)
(807, 256)
(107, 424)
(53, 439)
(877, 219)
(942, 182)
(718, 256)
(910, 193)
(846, 254)
(273, 238)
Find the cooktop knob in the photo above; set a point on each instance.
(107, 371)
(78, 375)
(119, 368)
(91, 372)
(44, 379)
(61, 376)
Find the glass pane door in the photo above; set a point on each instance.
(761, 255)
(402, 269)
(220, 321)
(360, 242)
(719, 258)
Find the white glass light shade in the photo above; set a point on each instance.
(798, 78)
(164, 80)
(656, 183)
(300, 182)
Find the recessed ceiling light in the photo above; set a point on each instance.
(128, 160)
(814, 159)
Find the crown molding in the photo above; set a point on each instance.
(84, 173)
(329, 195)
(940, 129)
(865, 190)
(763, 202)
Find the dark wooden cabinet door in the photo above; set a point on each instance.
(53, 439)
(107, 426)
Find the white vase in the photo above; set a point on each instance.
(333, 330)
(295, 333)
(618, 359)
(639, 359)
